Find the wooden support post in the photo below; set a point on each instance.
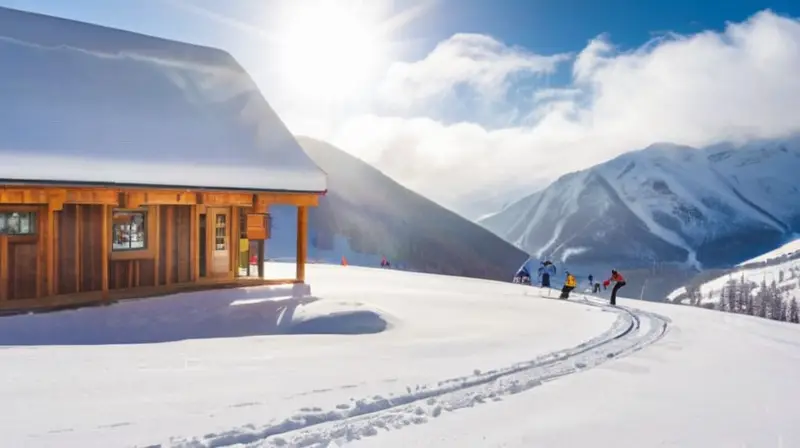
(50, 247)
(302, 242)
(105, 236)
(193, 243)
(41, 252)
(169, 245)
(56, 252)
(155, 240)
(78, 244)
(3, 267)
(211, 228)
(233, 247)
(248, 258)
(261, 259)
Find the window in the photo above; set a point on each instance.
(220, 233)
(128, 230)
(17, 223)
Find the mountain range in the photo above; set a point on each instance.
(690, 207)
(366, 215)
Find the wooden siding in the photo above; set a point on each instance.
(69, 258)
(175, 244)
(22, 259)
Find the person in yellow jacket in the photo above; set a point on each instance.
(569, 284)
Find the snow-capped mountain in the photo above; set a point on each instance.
(710, 207)
(367, 215)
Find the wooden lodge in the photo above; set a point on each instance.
(144, 167)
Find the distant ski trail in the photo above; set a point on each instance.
(633, 330)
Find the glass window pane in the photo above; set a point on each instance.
(18, 223)
(128, 230)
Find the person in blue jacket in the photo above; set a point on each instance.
(523, 274)
(546, 270)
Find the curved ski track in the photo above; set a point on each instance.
(633, 330)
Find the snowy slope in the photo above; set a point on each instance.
(698, 207)
(428, 361)
(189, 385)
(83, 103)
(781, 266)
(717, 380)
(366, 215)
(787, 250)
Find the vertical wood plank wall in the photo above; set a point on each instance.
(71, 249)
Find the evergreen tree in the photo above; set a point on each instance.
(722, 305)
(760, 305)
(780, 276)
(794, 315)
(776, 302)
(746, 297)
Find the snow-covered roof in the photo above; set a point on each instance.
(87, 104)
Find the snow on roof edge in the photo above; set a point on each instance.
(89, 184)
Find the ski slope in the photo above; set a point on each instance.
(386, 358)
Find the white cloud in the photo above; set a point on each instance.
(741, 83)
(478, 61)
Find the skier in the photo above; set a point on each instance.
(569, 284)
(596, 288)
(619, 282)
(523, 276)
(547, 270)
(591, 281)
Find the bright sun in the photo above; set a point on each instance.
(329, 49)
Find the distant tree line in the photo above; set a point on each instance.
(769, 301)
(771, 262)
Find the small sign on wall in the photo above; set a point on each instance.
(257, 226)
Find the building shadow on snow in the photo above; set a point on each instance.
(196, 315)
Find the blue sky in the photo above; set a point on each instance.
(549, 26)
(455, 89)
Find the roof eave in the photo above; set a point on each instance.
(88, 184)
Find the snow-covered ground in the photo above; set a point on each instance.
(198, 369)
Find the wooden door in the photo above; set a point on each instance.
(219, 251)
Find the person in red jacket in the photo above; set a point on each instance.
(619, 282)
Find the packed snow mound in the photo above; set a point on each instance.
(338, 317)
(709, 207)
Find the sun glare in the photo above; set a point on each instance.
(329, 49)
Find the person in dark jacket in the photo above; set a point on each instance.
(547, 270)
(619, 282)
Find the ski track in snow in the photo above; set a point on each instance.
(633, 330)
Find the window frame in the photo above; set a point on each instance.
(33, 224)
(145, 223)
